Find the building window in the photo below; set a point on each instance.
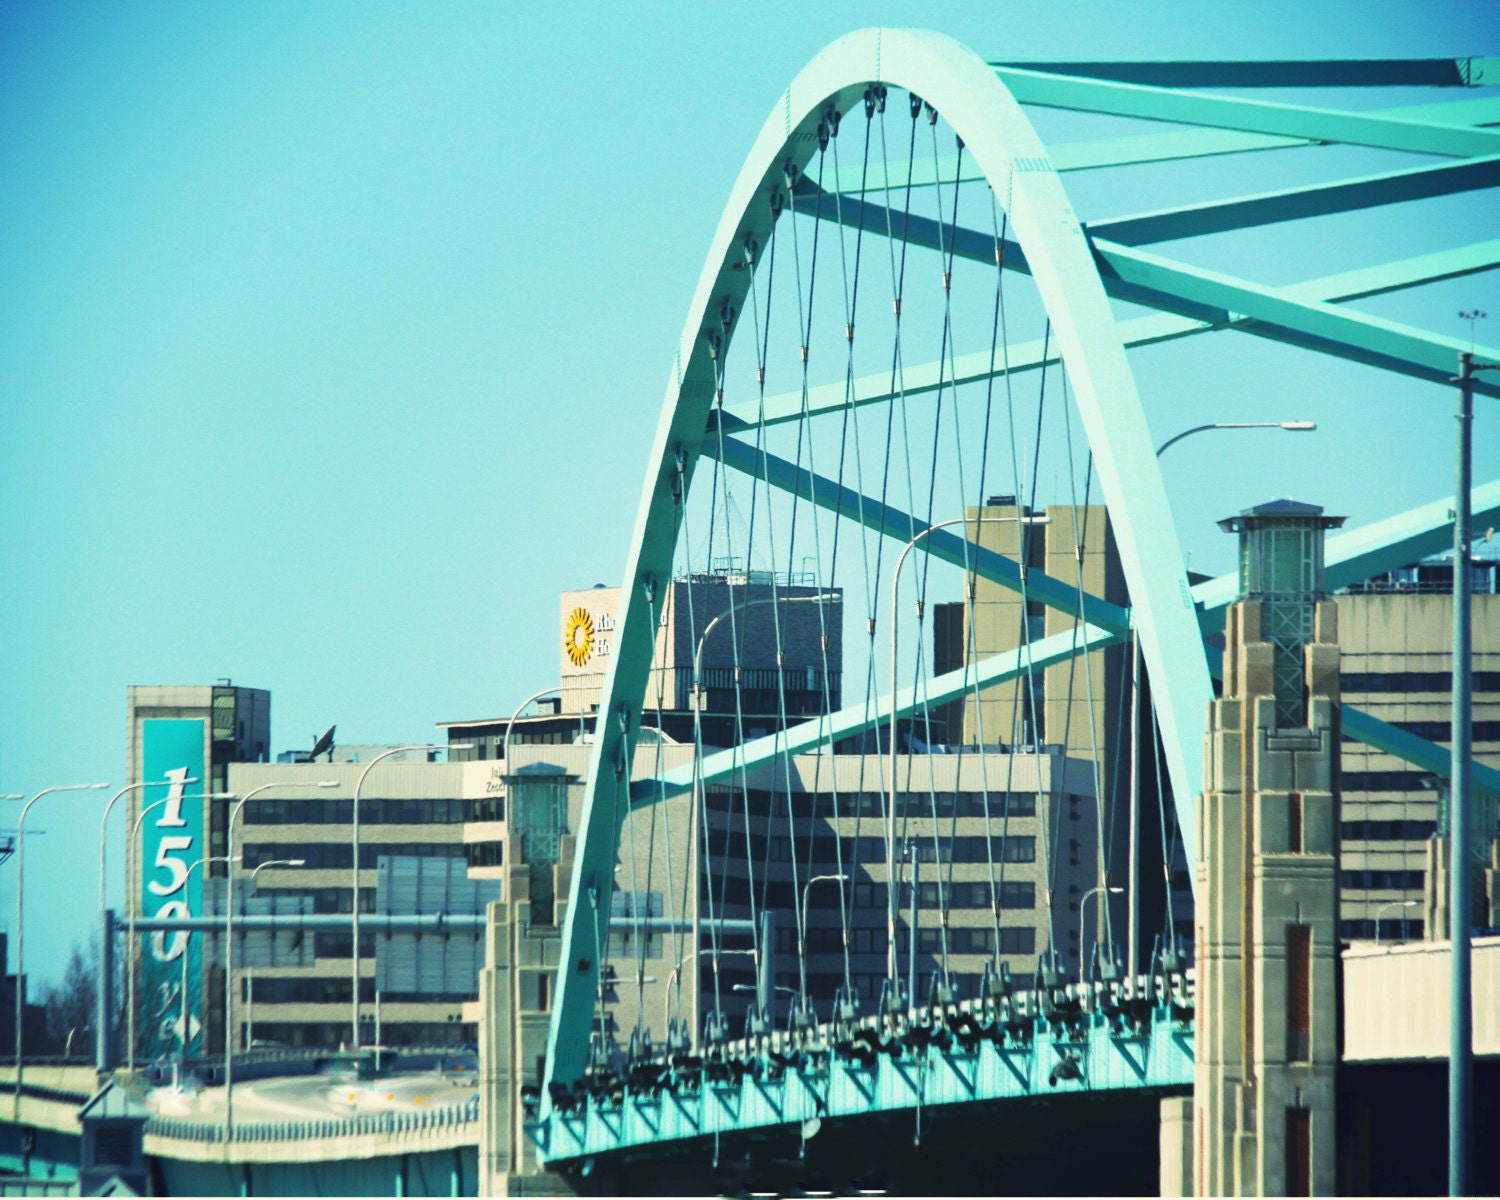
(1298, 994)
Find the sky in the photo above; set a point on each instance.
(333, 339)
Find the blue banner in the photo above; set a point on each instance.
(172, 841)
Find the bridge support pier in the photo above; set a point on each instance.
(523, 939)
(1176, 1146)
(1267, 937)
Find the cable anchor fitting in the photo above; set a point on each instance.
(916, 105)
(790, 172)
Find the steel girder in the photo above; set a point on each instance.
(984, 113)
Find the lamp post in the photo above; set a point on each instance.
(354, 867)
(131, 954)
(1093, 891)
(249, 978)
(505, 745)
(187, 942)
(890, 808)
(676, 971)
(1392, 904)
(21, 928)
(821, 597)
(802, 930)
(234, 814)
(101, 1021)
(1133, 882)
(1289, 426)
(1460, 869)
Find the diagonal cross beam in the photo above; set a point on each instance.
(940, 543)
(1247, 116)
(1138, 331)
(1208, 296)
(854, 719)
(1141, 148)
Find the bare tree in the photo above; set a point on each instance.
(70, 1003)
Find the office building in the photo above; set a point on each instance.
(1396, 634)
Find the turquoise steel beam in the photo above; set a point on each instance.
(1359, 554)
(853, 719)
(981, 111)
(1164, 283)
(1267, 73)
(1392, 739)
(1218, 299)
(1143, 148)
(947, 547)
(1138, 331)
(1247, 116)
(1409, 748)
(1099, 1061)
(1291, 204)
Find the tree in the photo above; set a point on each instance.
(71, 1002)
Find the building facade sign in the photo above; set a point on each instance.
(172, 841)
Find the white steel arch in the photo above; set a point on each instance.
(1010, 155)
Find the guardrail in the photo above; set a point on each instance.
(446, 1117)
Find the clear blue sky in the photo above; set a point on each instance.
(332, 339)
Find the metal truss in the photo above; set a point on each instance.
(1077, 271)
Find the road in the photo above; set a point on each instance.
(313, 1097)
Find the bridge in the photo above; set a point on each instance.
(902, 321)
(905, 555)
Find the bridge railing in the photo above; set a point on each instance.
(1074, 1037)
(387, 1123)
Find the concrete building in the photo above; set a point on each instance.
(178, 733)
(1081, 706)
(297, 989)
(758, 670)
(1396, 634)
(294, 988)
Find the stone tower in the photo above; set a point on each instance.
(1267, 913)
(523, 938)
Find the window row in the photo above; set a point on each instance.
(1382, 781)
(1387, 831)
(1400, 881)
(1398, 929)
(339, 856)
(995, 804)
(1414, 681)
(372, 811)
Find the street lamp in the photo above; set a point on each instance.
(229, 941)
(1392, 904)
(1289, 426)
(675, 972)
(21, 928)
(131, 953)
(1093, 891)
(802, 931)
(505, 745)
(249, 975)
(890, 808)
(1133, 901)
(187, 943)
(354, 866)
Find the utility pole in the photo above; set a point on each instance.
(1460, 869)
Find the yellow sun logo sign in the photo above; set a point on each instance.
(578, 636)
